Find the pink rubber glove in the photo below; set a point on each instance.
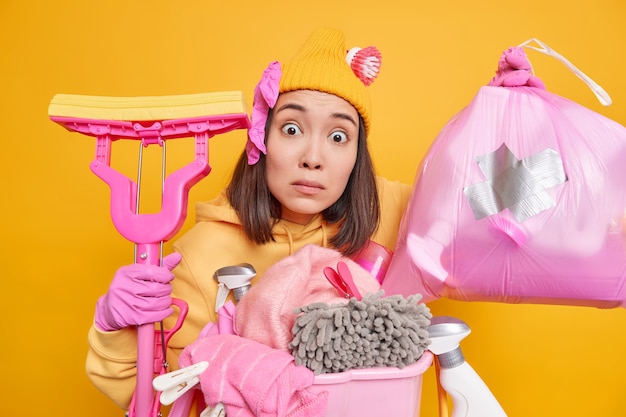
(514, 70)
(139, 294)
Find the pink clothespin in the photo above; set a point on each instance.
(342, 280)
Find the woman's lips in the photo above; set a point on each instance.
(308, 187)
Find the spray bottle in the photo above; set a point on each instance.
(236, 278)
(470, 396)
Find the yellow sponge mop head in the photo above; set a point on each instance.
(147, 108)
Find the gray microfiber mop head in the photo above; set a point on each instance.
(374, 332)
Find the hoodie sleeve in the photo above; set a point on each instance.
(111, 362)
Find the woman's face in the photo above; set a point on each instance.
(311, 151)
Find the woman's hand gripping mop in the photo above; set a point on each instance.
(151, 121)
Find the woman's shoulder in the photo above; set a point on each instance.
(216, 220)
(394, 197)
(393, 189)
(216, 209)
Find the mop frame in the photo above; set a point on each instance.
(149, 231)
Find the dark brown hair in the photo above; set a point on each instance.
(357, 211)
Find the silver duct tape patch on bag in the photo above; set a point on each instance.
(519, 185)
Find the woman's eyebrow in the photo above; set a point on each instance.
(298, 107)
(345, 116)
(291, 106)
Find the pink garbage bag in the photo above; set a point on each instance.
(520, 199)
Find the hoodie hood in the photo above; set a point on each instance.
(317, 231)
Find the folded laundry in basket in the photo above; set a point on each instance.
(376, 331)
(267, 312)
(253, 379)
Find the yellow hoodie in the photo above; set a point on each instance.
(216, 240)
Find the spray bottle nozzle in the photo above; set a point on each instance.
(446, 333)
(236, 278)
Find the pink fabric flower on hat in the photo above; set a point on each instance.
(265, 96)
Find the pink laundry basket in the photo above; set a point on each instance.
(374, 391)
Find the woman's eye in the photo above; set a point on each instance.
(291, 129)
(339, 137)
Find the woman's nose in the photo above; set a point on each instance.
(312, 155)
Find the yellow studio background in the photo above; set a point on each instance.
(60, 248)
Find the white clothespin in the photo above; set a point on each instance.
(176, 383)
(217, 411)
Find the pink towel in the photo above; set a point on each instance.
(267, 313)
(252, 379)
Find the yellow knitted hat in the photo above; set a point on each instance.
(321, 65)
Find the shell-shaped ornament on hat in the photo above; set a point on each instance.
(365, 63)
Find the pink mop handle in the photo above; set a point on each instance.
(147, 231)
(144, 394)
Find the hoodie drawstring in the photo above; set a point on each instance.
(290, 238)
(324, 235)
